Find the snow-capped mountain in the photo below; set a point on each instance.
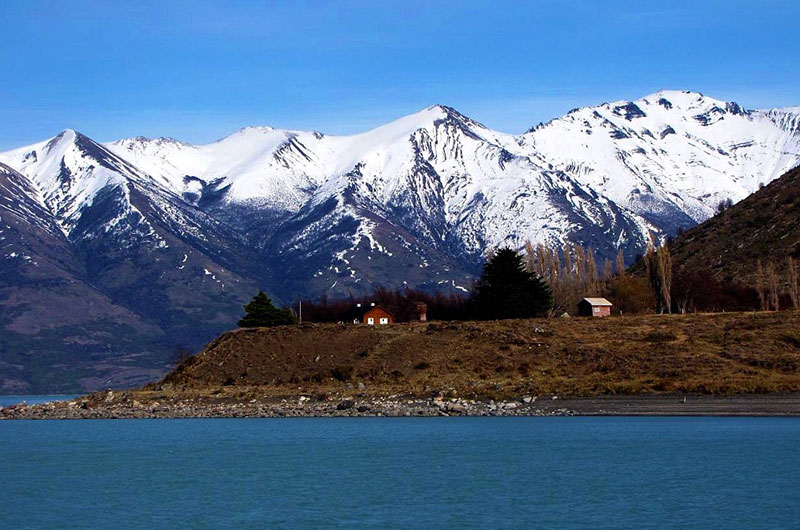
(670, 154)
(434, 190)
(604, 176)
(99, 264)
(182, 234)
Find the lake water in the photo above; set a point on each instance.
(33, 400)
(422, 473)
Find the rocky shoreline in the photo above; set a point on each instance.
(125, 405)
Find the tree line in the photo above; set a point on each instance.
(769, 285)
(655, 284)
(506, 289)
(546, 281)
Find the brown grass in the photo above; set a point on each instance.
(704, 353)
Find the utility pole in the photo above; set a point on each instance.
(301, 311)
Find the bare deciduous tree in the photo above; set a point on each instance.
(773, 287)
(794, 289)
(580, 262)
(592, 286)
(659, 270)
(530, 257)
(608, 270)
(761, 286)
(665, 259)
(567, 260)
(620, 263)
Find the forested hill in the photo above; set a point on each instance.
(765, 226)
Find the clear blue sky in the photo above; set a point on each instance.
(199, 70)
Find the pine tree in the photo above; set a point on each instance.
(507, 290)
(260, 312)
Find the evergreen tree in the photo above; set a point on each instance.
(260, 312)
(507, 289)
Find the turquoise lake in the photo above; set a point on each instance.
(422, 473)
(33, 400)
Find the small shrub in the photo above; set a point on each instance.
(342, 373)
(424, 365)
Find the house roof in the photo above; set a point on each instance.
(597, 301)
(370, 308)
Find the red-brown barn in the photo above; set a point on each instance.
(377, 315)
(372, 315)
(594, 307)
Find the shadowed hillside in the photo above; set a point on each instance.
(765, 225)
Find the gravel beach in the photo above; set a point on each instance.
(132, 405)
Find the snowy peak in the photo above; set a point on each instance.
(787, 119)
(671, 155)
(68, 171)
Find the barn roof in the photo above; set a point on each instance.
(597, 301)
(368, 309)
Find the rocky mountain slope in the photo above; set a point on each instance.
(171, 238)
(92, 283)
(765, 226)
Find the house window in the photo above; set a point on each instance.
(384, 321)
(371, 321)
(596, 309)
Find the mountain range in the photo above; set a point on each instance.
(115, 257)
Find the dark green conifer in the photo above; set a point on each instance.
(260, 312)
(507, 289)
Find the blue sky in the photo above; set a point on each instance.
(200, 70)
